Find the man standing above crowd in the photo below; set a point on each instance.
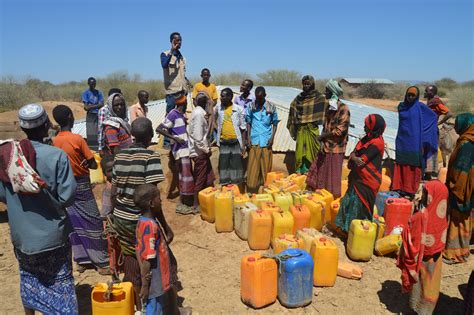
(174, 72)
(245, 98)
(93, 100)
(262, 122)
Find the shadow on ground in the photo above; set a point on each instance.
(4, 216)
(397, 302)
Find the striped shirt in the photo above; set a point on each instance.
(133, 167)
(116, 137)
(337, 125)
(176, 125)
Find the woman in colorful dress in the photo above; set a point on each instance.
(423, 241)
(460, 182)
(365, 177)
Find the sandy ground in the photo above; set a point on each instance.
(209, 269)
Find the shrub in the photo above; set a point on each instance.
(371, 90)
(461, 100)
(231, 78)
(280, 77)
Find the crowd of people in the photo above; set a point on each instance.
(54, 216)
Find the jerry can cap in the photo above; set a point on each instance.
(390, 201)
(323, 239)
(282, 237)
(335, 206)
(251, 259)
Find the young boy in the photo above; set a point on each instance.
(157, 264)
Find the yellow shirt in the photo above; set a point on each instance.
(211, 90)
(228, 131)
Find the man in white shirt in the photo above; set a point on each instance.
(199, 146)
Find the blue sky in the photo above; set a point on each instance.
(397, 39)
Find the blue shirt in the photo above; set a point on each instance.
(261, 122)
(38, 222)
(165, 59)
(90, 98)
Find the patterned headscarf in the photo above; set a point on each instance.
(336, 90)
(114, 120)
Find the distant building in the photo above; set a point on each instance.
(356, 82)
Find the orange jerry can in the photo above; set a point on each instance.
(301, 217)
(260, 230)
(325, 256)
(231, 187)
(206, 201)
(273, 176)
(258, 280)
(269, 207)
(308, 235)
(224, 212)
(317, 210)
(282, 183)
(349, 271)
(299, 180)
(397, 212)
(283, 199)
(386, 182)
(257, 199)
(282, 224)
(344, 186)
(326, 197)
(286, 241)
(121, 301)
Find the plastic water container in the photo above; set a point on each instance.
(283, 199)
(282, 224)
(344, 186)
(380, 199)
(231, 187)
(325, 256)
(292, 187)
(301, 217)
(258, 280)
(299, 196)
(334, 209)
(349, 271)
(269, 207)
(242, 218)
(388, 244)
(272, 176)
(206, 201)
(241, 200)
(223, 211)
(97, 176)
(345, 172)
(257, 199)
(282, 183)
(397, 212)
(361, 240)
(295, 279)
(121, 299)
(385, 184)
(308, 235)
(286, 241)
(270, 189)
(326, 197)
(317, 210)
(299, 180)
(380, 221)
(442, 173)
(260, 230)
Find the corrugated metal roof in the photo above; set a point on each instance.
(282, 97)
(366, 80)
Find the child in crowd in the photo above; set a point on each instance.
(113, 243)
(158, 266)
